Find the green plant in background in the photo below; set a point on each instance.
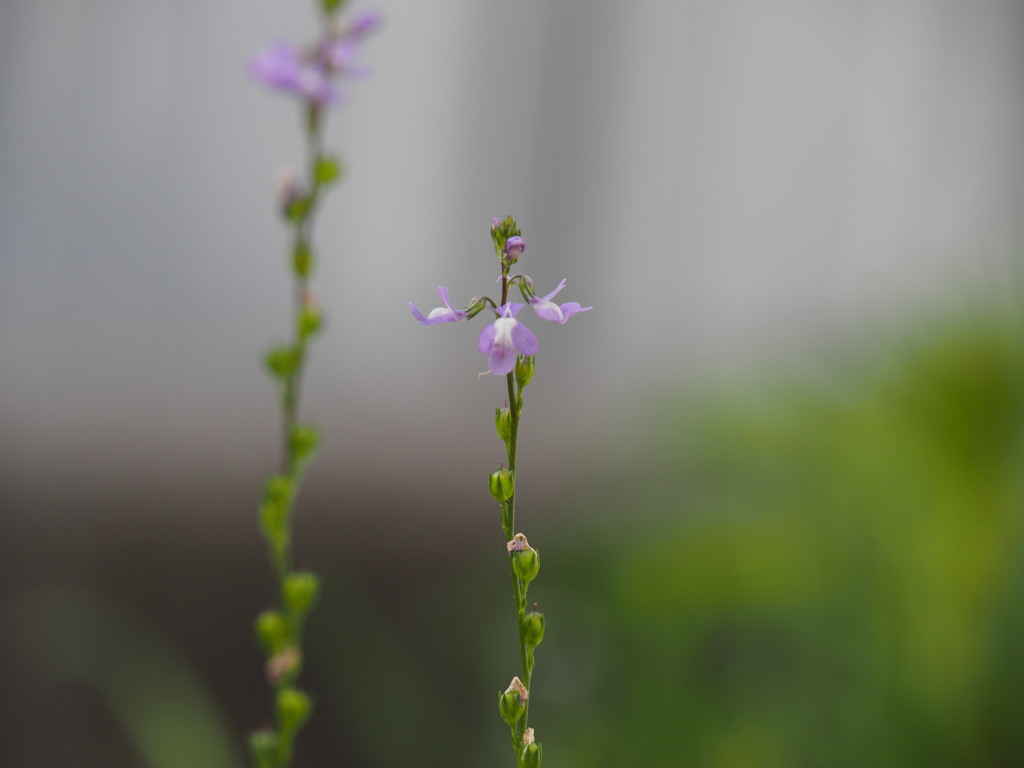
(311, 74)
(511, 350)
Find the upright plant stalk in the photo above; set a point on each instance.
(311, 74)
(511, 350)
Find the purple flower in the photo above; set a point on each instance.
(283, 66)
(445, 314)
(546, 309)
(506, 338)
(312, 73)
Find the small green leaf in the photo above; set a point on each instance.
(331, 5)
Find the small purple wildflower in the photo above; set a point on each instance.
(445, 314)
(546, 309)
(506, 338)
(283, 66)
(312, 74)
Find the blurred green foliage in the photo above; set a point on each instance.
(824, 574)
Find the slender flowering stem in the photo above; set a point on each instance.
(310, 75)
(511, 349)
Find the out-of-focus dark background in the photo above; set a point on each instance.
(777, 475)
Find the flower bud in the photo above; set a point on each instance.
(293, 708)
(285, 664)
(514, 248)
(327, 170)
(533, 627)
(531, 753)
(278, 489)
(281, 361)
(300, 591)
(263, 746)
(526, 564)
(274, 522)
(524, 370)
(304, 439)
(302, 259)
(272, 631)
(503, 423)
(512, 703)
(502, 485)
(310, 321)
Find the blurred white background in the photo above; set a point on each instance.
(729, 183)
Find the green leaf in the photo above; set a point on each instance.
(331, 5)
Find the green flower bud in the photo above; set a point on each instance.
(526, 564)
(524, 370)
(501, 485)
(302, 259)
(503, 423)
(310, 321)
(300, 591)
(274, 522)
(327, 170)
(297, 208)
(281, 361)
(293, 708)
(512, 703)
(304, 441)
(278, 489)
(263, 746)
(272, 631)
(533, 628)
(531, 754)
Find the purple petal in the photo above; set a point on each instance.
(486, 340)
(548, 310)
(554, 293)
(524, 340)
(277, 66)
(502, 359)
(442, 291)
(364, 24)
(418, 315)
(573, 308)
(511, 309)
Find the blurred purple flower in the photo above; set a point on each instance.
(283, 66)
(445, 314)
(546, 309)
(312, 74)
(506, 338)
